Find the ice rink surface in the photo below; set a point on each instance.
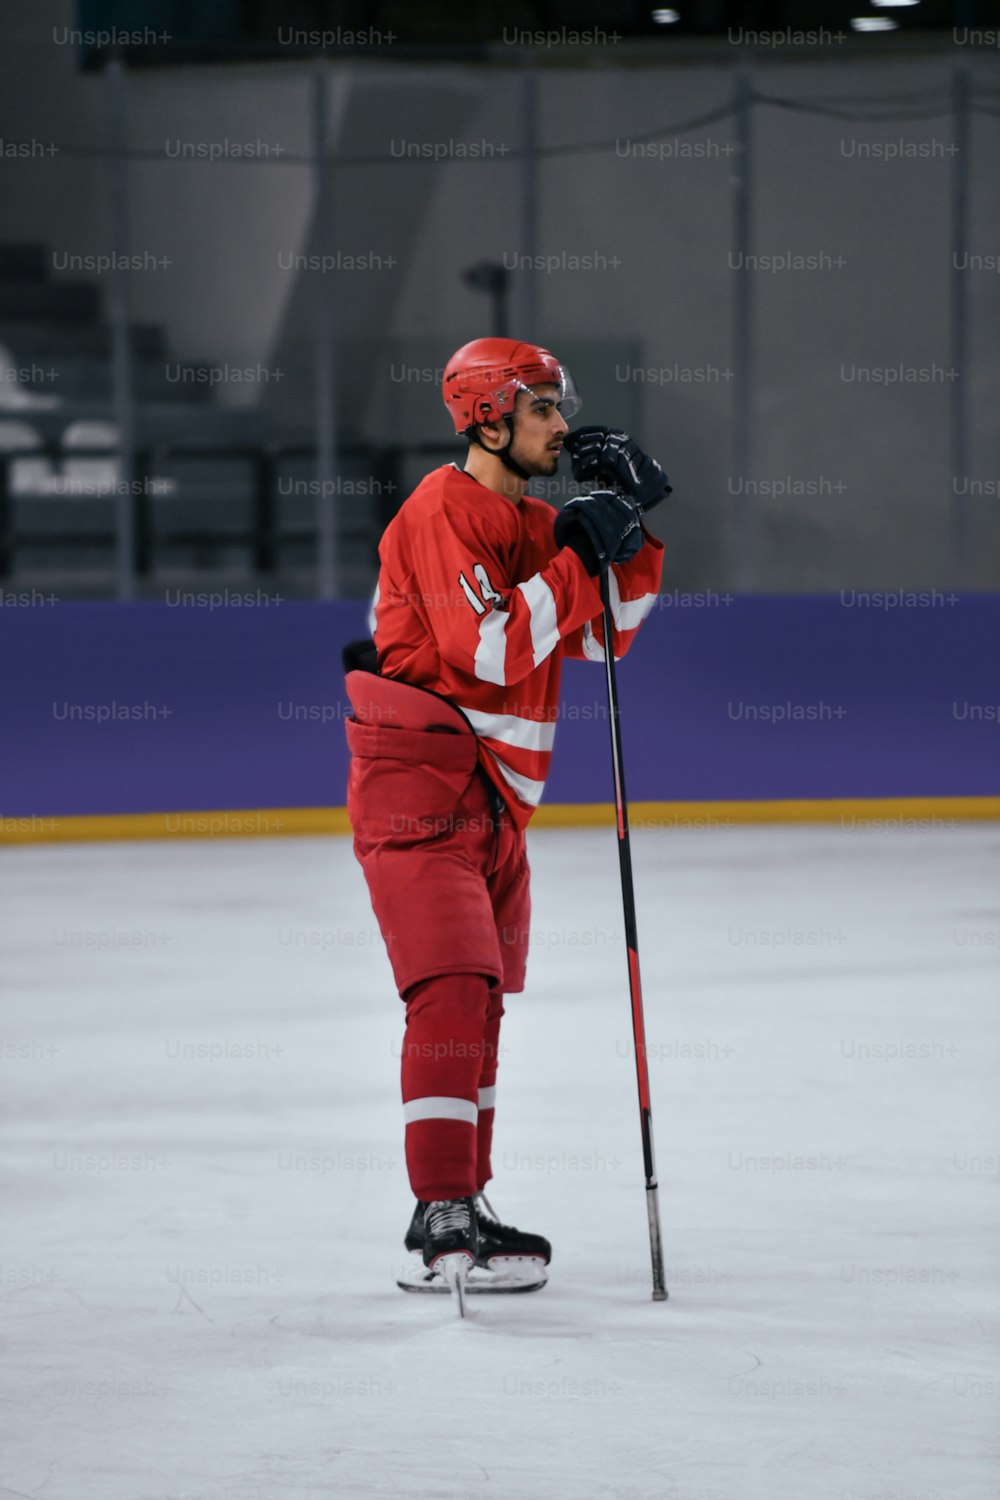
(205, 1197)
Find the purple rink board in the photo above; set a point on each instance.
(131, 708)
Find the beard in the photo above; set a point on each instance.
(542, 467)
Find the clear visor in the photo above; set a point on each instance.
(562, 394)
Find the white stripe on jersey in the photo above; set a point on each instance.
(371, 613)
(511, 729)
(488, 1098)
(439, 1107)
(630, 613)
(491, 652)
(544, 618)
(528, 790)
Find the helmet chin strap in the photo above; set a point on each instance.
(503, 454)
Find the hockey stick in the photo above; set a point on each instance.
(632, 942)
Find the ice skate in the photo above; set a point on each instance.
(507, 1259)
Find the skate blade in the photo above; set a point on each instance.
(515, 1275)
(455, 1270)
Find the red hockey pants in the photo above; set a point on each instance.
(448, 877)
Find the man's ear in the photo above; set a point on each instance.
(494, 432)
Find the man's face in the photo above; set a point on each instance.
(539, 429)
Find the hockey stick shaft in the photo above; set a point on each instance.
(632, 943)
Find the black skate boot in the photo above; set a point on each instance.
(448, 1228)
(502, 1248)
(502, 1244)
(451, 1242)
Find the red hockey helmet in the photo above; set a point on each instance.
(482, 379)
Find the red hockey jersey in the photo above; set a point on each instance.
(475, 601)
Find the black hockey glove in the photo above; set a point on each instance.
(605, 455)
(602, 528)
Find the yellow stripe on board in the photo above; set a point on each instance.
(281, 822)
(926, 813)
(896, 811)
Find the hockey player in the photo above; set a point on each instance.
(482, 591)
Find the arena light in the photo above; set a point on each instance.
(666, 17)
(873, 23)
(893, 4)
